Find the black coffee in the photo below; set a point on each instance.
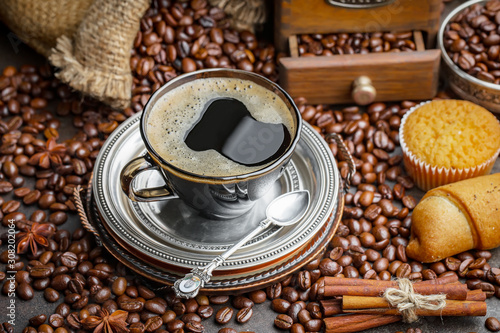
(227, 126)
(220, 127)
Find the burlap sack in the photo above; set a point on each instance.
(39, 23)
(96, 61)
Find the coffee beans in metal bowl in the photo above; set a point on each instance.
(470, 52)
(472, 41)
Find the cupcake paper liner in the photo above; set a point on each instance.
(427, 176)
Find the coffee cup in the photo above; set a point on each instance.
(220, 138)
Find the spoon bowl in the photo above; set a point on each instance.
(288, 208)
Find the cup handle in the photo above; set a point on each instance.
(127, 177)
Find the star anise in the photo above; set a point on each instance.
(107, 323)
(49, 154)
(33, 235)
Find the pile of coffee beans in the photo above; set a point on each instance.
(310, 45)
(472, 41)
(83, 279)
(39, 169)
(181, 37)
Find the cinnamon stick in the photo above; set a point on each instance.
(337, 281)
(452, 291)
(356, 323)
(441, 280)
(331, 307)
(476, 295)
(378, 305)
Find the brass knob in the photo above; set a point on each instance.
(363, 92)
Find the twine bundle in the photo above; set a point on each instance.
(407, 301)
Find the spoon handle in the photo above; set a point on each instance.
(190, 284)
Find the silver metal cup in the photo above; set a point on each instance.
(215, 197)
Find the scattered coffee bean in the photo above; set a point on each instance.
(224, 315)
(492, 324)
(283, 322)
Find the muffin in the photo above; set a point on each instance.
(444, 141)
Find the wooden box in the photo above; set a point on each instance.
(294, 17)
(330, 79)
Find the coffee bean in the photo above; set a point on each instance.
(179, 308)
(244, 315)
(191, 317)
(297, 328)
(313, 325)
(492, 324)
(283, 322)
(240, 302)
(273, 291)
(25, 291)
(102, 295)
(41, 284)
(137, 327)
(155, 306)
(205, 311)
(217, 300)
(37, 320)
(403, 271)
(5, 187)
(56, 320)
(119, 286)
(280, 305)
(69, 259)
(227, 330)
(60, 282)
(401, 253)
(224, 315)
(257, 296)
(45, 328)
(10, 206)
(130, 305)
(290, 294)
(46, 200)
(329, 267)
(195, 327)
(51, 295)
(153, 323)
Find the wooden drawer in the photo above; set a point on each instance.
(294, 17)
(329, 79)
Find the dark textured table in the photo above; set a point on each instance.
(13, 52)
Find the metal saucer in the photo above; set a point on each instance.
(173, 237)
(253, 280)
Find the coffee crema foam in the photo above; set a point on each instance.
(175, 113)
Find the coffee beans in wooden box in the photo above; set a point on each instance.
(358, 51)
(360, 67)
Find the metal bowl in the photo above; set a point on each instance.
(465, 85)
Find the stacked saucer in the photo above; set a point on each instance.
(164, 240)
